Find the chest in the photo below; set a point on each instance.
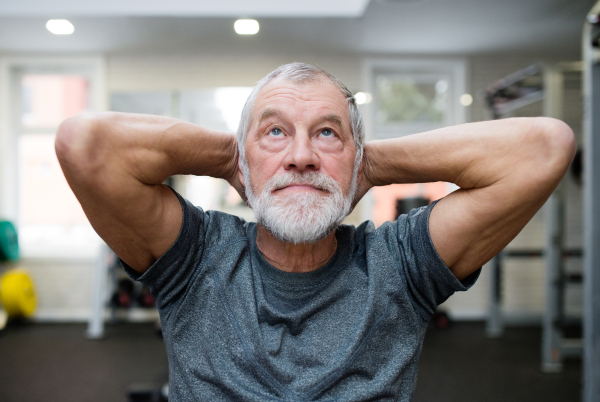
(236, 325)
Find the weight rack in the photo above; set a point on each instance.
(539, 83)
(107, 273)
(591, 206)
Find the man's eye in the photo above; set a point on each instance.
(327, 132)
(276, 132)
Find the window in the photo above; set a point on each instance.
(216, 109)
(213, 108)
(411, 96)
(407, 98)
(48, 99)
(50, 220)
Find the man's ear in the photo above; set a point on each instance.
(241, 176)
(241, 185)
(362, 184)
(359, 175)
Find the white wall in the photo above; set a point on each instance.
(160, 72)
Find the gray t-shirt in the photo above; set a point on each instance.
(238, 329)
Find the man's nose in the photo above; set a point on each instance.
(302, 154)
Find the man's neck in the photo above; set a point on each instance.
(298, 258)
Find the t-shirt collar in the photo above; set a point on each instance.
(317, 277)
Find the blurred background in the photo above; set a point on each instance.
(83, 331)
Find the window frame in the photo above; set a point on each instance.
(11, 71)
(453, 69)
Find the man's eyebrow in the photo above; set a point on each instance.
(266, 114)
(333, 118)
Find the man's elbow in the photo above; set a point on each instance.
(75, 140)
(555, 145)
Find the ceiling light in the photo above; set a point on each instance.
(363, 98)
(400, 3)
(60, 27)
(466, 99)
(246, 27)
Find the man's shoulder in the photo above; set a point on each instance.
(224, 219)
(359, 231)
(219, 227)
(412, 225)
(366, 229)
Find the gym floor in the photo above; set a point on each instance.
(48, 363)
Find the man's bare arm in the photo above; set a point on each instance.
(116, 163)
(506, 170)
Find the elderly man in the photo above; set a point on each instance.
(298, 307)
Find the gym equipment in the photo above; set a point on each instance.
(546, 84)
(123, 295)
(114, 292)
(517, 90)
(441, 320)
(591, 206)
(16, 297)
(9, 245)
(17, 294)
(148, 393)
(404, 205)
(144, 297)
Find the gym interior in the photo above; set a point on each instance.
(74, 327)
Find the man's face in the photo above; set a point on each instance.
(300, 151)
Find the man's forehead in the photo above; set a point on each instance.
(280, 93)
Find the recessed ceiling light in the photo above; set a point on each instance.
(246, 27)
(400, 3)
(60, 27)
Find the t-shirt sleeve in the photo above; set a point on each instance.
(169, 276)
(429, 281)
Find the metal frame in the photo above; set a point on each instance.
(551, 332)
(105, 259)
(554, 346)
(494, 324)
(591, 207)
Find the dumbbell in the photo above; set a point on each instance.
(123, 295)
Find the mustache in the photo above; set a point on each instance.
(317, 180)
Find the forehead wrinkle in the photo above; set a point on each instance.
(304, 91)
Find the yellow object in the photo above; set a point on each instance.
(17, 293)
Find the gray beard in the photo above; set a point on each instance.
(304, 217)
